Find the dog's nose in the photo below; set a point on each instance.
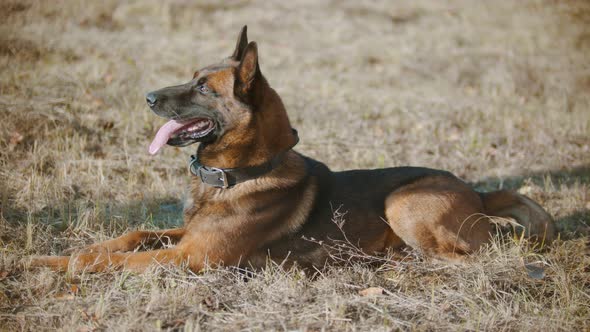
(151, 99)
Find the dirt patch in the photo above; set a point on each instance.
(24, 50)
(10, 8)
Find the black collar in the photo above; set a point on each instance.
(229, 177)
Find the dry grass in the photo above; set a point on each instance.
(497, 93)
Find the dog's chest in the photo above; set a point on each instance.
(260, 213)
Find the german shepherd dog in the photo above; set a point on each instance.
(253, 198)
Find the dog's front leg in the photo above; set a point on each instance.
(98, 262)
(131, 241)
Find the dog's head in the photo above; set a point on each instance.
(225, 105)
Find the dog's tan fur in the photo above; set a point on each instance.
(270, 216)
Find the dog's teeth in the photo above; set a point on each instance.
(198, 125)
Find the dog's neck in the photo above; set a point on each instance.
(267, 134)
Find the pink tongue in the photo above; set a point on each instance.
(163, 135)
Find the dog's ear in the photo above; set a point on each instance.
(241, 44)
(248, 70)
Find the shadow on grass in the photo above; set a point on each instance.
(567, 177)
(111, 216)
(77, 222)
(575, 224)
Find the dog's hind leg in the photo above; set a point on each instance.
(133, 240)
(98, 262)
(440, 216)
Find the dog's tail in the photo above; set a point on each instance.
(537, 223)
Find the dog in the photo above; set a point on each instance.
(253, 198)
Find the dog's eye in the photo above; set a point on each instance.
(203, 88)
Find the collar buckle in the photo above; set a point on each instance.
(221, 178)
(217, 173)
(209, 175)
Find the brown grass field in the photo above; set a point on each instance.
(496, 92)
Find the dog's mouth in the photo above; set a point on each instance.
(181, 133)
